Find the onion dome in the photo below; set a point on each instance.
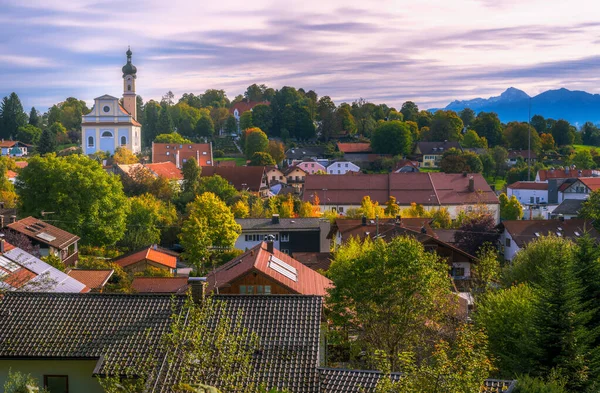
(129, 69)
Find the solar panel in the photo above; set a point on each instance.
(45, 236)
(283, 268)
(8, 264)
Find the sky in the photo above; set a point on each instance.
(427, 51)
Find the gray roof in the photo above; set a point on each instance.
(298, 153)
(569, 206)
(285, 224)
(440, 147)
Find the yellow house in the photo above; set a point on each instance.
(431, 152)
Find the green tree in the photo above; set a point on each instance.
(391, 207)
(410, 111)
(392, 137)
(539, 123)
(47, 142)
(12, 116)
(246, 120)
(516, 135)
(489, 165)
(487, 125)
(231, 125)
(214, 98)
(240, 209)
(562, 133)
(18, 382)
(277, 151)
(590, 134)
(205, 127)
(210, 225)
(34, 117)
(471, 139)
(499, 156)
(256, 140)
(147, 218)
(150, 122)
(29, 134)
(171, 138)
(261, 158)
(583, 160)
(262, 117)
(191, 176)
(510, 209)
(217, 185)
(374, 290)
(467, 116)
(85, 199)
(445, 126)
(547, 142)
(165, 123)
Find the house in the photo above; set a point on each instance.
(342, 167)
(307, 153)
(355, 152)
(243, 178)
(149, 257)
(21, 271)
(176, 285)
(178, 153)
(459, 262)
(430, 153)
(311, 167)
(264, 270)
(560, 174)
(243, 106)
(568, 209)
(406, 166)
(291, 234)
(579, 188)
(456, 192)
(528, 192)
(14, 148)
(517, 233)
(52, 240)
(275, 175)
(95, 280)
(295, 177)
(515, 155)
(166, 169)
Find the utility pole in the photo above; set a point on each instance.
(529, 148)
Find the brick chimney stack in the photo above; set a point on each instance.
(198, 287)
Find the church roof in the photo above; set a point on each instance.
(106, 97)
(129, 68)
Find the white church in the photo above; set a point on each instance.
(110, 125)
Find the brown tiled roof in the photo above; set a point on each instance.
(160, 284)
(546, 174)
(307, 282)
(354, 147)
(403, 163)
(593, 183)
(436, 148)
(414, 187)
(387, 227)
(528, 185)
(93, 279)
(521, 153)
(292, 169)
(43, 232)
(243, 106)
(4, 143)
(150, 254)
(21, 164)
(314, 260)
(227, 163)
(166, 169)
(241, 177)
(11, 174)
(524, 231)
(201, 152)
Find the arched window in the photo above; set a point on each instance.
(128, 87)
(91, 141)
(107, 134)
(123, 141)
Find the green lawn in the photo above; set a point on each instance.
(423, 169)
(500, 183)
(584, 147)
(239, 161)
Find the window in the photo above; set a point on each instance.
(106, 109)
(168, 147)
(56, 383)
(107, 134)
(91, 141)
(168, 153)
(341, 209)
(123, 141)
(272, 177)
(285, 237)
(242, 289)
(312, 165)
(259, 289)
(346, 165)
(128, 87)
(285, 251)
(339, 165)
(267, 289)
(280, 177)
(507, 243)
(530, 199)
(537, 199)
(338, 171)
(184, 160)
(458, 272)
(250, 289)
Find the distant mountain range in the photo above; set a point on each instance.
(577, 107)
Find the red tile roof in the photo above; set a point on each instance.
(528, 185)
(43, 232)
(166, 169)
(160, 284)
(244, 106)
(407, 188)
(314, 260)
(546, 174)
(150, 254)
(354, 147)
(308, 281)
(241, 177)
(201, 152)
(21, 164)
(11, 174)
(94, 279)
(524, 231)
(593, 183)
(387, 227)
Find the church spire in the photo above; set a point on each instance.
(129, 77)
(129, 68)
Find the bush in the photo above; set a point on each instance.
(527, 384)
(219, 154)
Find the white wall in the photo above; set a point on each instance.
(342, 167)
(509, 251)
(524, 195)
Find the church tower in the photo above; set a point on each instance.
(129, 96)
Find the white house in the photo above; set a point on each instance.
(342, 167)
(14, 148)
(311, 167)
(578, 188)
(528, 192)
(110, 125)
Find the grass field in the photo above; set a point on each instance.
(499, 183)
(584, 147)
(422, 169)
(239, 161)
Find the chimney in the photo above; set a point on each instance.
(567, 170)
(13, 219)
(198, 287)
(270, 239)
(177, 159)
(198, 157)
(471, 184)
(364, 221)
(1, 221)
(275, 219)
(1, 205)
(423, 230)
(2, 243)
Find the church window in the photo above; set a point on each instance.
(107, 134)
(123, 141)
(128, 87)
(168, 153)
(106, 109)
(91, 141)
